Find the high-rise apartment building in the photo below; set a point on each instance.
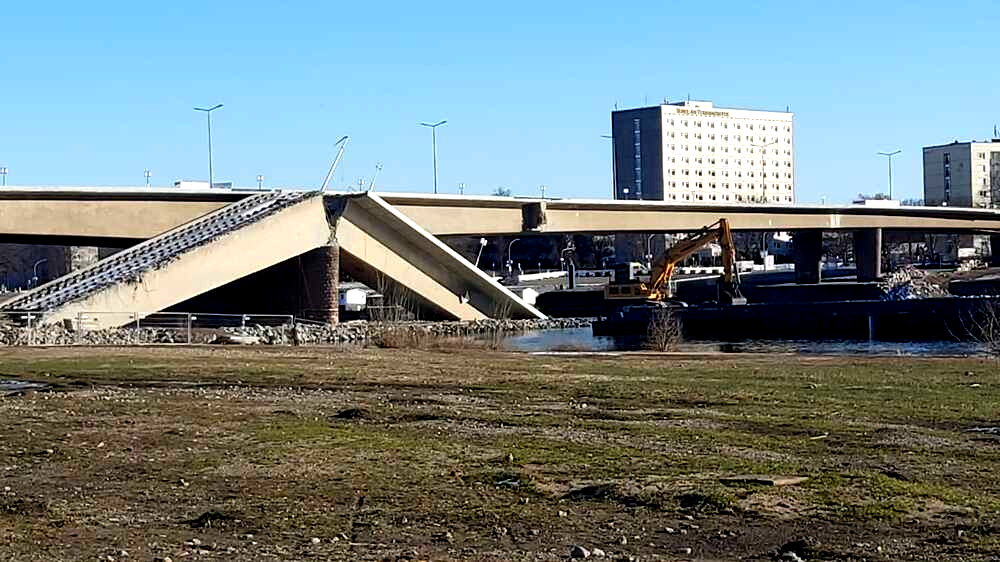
(693, 152)
(963, 174)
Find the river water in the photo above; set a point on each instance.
(581, 339)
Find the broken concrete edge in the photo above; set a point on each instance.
(458, 259)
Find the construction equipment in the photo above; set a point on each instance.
(627, 287)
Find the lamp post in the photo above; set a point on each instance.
(461, 189)
(510, 258)
(371, 184)
(208, 114)
(3, 176)
(614, 171)
(482, 245)
(34, 271)
(542, 189)
(434, 149)
(649, 250)
(148, 175)
(763, 164)
(889, 155)
(260, 182)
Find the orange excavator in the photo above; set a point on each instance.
(626, 287)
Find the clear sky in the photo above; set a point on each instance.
(93, 93)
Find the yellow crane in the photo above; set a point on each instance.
(658, 287)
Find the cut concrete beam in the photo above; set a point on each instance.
(375, 237)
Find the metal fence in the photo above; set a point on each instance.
(90, 328)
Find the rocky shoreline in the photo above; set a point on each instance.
(354, 332)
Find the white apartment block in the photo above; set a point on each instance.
(693, 152)
(963, 174)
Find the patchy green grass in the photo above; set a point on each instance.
(499, 456)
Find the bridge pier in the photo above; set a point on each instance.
(995, 250)
(320, 272)
(808, 248)
(868, 254)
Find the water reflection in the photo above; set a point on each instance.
(581, 339)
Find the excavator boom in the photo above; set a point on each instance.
(658, 287)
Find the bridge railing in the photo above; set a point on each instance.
(133, 328)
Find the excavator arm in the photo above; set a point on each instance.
(658, 288)
(664, 266)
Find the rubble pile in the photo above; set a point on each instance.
(359, 332)
(911, 283)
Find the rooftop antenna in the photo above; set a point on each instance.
(995, 134)
(371, 184)
(343, 143)
(689, 97)
(788, 108)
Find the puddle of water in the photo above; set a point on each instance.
(18, 386)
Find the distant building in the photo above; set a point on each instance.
(693, 152)
(963, 174)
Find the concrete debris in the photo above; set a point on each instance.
(910, 283)
(355, 332)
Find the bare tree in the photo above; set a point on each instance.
(664, 329)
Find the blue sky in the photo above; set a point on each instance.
(93, 93)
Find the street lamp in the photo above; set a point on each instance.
(34, 271)
(649, 250)
(148, 175)
(614, 172)
(889, 155)
(208, 114)
(260, 182)
(542, 189)
(434, 149)
(482, 245)
(3, 176)
(371, 184)
(510, 258)
(461, 189)
(763, 164)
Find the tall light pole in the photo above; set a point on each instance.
(208, 113)
(542, 189)
(148, 175)
(371, 184)
(461, 189)
(3, 176)
(434, 148)
(260, 182)
(510, 259)
(889, 155)
(614, 171)
(763, 164)
(341, 144)
(34, 271)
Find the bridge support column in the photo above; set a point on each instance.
(995, 250)
(868, 253)
(320, 271)
(808, 248)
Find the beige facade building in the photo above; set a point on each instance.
(694, 152)
(963, 174)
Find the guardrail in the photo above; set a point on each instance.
(27, 327)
